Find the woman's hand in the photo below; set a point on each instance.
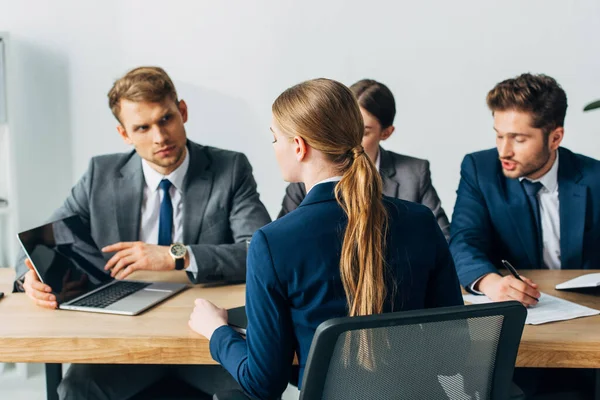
(206, 318)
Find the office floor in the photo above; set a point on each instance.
(16, 384)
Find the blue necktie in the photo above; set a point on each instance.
(532, 189)
(165, 222)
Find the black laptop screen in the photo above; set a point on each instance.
(65, 257)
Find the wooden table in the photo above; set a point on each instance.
(162, 336)
(159, 336)
(565, 344)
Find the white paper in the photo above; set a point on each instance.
(549, 309)
(583, 281)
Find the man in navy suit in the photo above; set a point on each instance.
(528, 201)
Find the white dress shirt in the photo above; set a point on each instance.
(152, 197)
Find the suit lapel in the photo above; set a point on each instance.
(387, 171)
(572, 206)
(522, 220)
(128, 197)
(197, 189)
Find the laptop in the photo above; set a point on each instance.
(66, 258)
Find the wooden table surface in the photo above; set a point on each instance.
(161, 335)
(564, 344)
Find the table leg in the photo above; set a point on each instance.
(53, 378)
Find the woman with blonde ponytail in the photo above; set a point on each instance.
(346, 250)
(404, 177)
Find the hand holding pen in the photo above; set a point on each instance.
(509, 287)
(514, 273)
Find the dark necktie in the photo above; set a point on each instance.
(165, 221)
(532, 189)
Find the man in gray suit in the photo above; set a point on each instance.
(404, 177)
(168, 192)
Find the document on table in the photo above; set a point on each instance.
(548, 309)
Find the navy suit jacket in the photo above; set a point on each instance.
(492, 219)
(293, 284)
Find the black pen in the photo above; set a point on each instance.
(514, 273)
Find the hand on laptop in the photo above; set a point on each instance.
(133, 256)
(504, 288)
(37, 291)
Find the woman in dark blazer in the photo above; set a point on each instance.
(346, 250)
(404, 177)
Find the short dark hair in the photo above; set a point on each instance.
(539, 95)
(377, 99)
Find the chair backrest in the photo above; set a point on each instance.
(464, 352)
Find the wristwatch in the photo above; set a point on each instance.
(178, 252)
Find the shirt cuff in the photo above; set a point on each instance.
(472, 286)
(18, 285)
(193, 267)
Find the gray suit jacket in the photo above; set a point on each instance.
(221, 207)
(404, 177)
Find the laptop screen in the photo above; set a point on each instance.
(65, 257)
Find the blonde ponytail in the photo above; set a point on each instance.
(326, 115)
(363, 249)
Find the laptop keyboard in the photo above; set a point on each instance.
(111, 294)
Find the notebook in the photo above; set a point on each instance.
(237, 319)
(583, 281)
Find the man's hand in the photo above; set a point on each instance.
(206, 318)
(134, 256)
(40, 293)
(503, 288)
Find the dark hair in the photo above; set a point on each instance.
(377, 99)
(539, 95)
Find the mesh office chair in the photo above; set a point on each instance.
(458, 353)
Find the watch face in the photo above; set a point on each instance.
(178, 250)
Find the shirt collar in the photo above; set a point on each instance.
(550, 179)
(176, 177)
(332, 179)
(338, 178)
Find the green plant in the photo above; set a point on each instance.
(592, 106)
